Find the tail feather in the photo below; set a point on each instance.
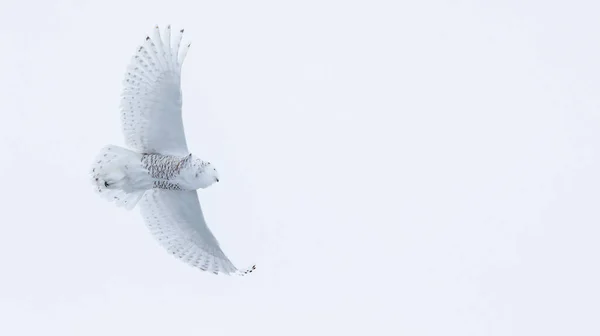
(118, 176)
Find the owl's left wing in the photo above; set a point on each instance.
(175, 219)
(151, 99)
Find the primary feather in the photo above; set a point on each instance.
(151, 100)
(176, 221)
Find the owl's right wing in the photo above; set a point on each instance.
(175, 219)
(151, 99)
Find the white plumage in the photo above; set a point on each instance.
(158, 172)
(151, 99)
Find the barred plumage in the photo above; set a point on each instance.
(162, 166)
(166, 185)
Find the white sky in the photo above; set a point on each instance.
(416, 168)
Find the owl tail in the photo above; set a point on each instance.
(119, 176)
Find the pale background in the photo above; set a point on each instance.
(393, 168)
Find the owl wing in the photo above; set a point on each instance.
(175, 219)
(151, 98)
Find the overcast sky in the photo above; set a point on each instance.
(393, 168)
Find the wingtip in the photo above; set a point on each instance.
(247, 270)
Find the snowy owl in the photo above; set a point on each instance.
(157, 171)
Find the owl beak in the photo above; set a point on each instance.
(217, 179)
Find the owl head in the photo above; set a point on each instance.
(199, 173)
(207, 173)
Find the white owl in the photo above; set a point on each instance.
(158, 172)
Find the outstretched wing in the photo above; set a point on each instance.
(176, 221)
(151, 98)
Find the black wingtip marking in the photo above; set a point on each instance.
(250, 270)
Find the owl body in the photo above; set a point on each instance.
(122, 175)
(179, 173)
